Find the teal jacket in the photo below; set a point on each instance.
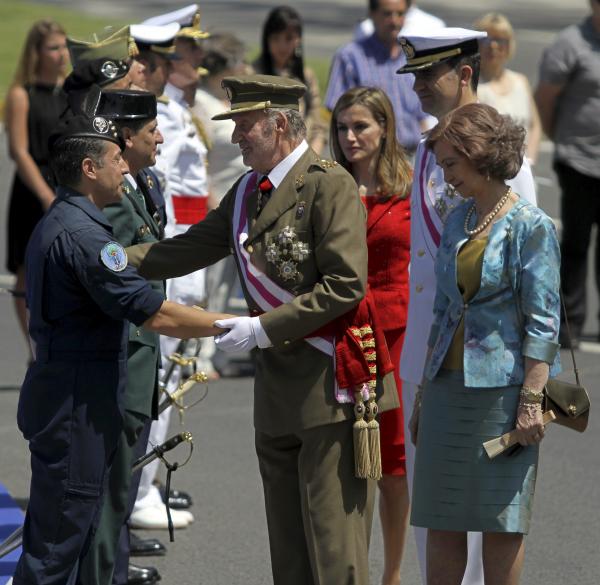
(134, 222)
(502, 327)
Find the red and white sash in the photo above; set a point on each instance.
(431, 222)
(266, 293)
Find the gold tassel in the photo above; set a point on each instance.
(132, 48)
(360, 434)
(374, 437)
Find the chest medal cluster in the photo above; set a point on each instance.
(285, 252)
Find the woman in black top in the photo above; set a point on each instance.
(33, 106)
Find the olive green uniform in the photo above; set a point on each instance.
(319, 515)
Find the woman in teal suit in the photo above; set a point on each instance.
(492, 346)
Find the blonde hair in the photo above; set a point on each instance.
(496, 22)
(27, 68)
(393, 172)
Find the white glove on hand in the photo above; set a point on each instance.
(244, 334)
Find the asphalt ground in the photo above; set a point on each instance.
(228, 542)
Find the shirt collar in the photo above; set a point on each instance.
(131, 180)
(279, 172)
(174, 93)
(79, 200)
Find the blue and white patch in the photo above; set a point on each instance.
(114, 257)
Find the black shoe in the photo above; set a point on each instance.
(145, 547)
(142, 575)
(178, 500)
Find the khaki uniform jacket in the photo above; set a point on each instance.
(294, 386)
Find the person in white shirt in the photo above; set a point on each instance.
(416, 21)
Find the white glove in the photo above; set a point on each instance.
(244, 334)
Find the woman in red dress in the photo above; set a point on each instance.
(363, 140)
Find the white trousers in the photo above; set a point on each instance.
(474, 570)
(187, 290)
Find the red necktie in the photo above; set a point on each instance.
(264, 193)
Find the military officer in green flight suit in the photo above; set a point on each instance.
(296, 227)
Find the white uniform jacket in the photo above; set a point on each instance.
(181, 163)
(181, 169)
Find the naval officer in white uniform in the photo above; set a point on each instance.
(446, 69)
(182, 171)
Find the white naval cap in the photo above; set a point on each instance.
(154, 34)
(188, 18)
(159, 39)
(182, 16)
(443, 43)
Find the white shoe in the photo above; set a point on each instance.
(155, 518)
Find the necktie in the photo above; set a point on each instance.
(265, 187)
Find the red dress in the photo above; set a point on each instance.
(388, 240)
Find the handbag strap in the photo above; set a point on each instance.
(564, 308)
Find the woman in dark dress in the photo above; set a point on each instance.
(33, 106)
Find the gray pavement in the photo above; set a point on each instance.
(228, 544)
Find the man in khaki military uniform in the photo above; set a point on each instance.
(296, 227)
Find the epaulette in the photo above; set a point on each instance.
(163, 99)
(325, 164)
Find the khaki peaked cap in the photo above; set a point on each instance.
(261, 92)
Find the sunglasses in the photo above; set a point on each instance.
(500, 41)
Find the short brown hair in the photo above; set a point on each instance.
(492, 142)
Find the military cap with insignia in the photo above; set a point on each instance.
(82, 126)
(188, 18)
(261, 92)
(95, 71)
(118, 46)
(126, 104)
(158, 39)
(100, 62)
(422, 52)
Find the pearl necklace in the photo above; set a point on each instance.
(478, 229)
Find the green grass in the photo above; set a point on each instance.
(17, 16)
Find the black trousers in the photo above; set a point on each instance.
(110, 539)
(72, 434)
(580, 210)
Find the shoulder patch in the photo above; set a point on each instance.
(113, 256)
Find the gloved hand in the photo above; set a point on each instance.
(242, 334)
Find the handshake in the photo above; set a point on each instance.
(241, 334)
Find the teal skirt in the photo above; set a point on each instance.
(456, 486)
